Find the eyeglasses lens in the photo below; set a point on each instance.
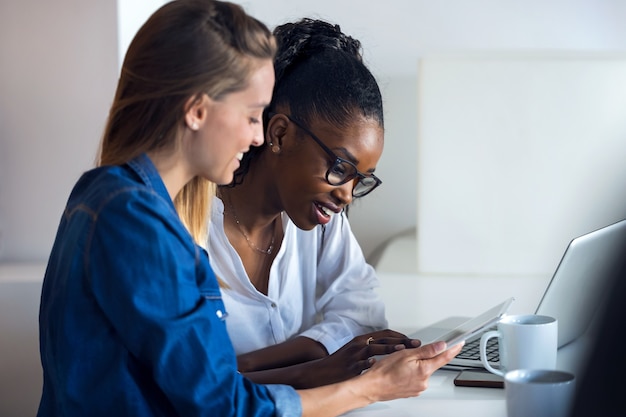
(342, 171)
(364, 186)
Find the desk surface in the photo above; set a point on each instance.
(443, 399)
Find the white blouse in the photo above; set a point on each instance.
(320, 287)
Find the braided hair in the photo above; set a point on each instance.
(320, 74)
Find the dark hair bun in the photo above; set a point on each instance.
(306, 37)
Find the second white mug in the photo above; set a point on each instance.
(528, 341)
(539, 393)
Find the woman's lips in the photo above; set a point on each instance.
(323, 213)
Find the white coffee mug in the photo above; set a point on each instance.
(528, 341)
(538, 393)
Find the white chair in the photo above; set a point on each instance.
(21, 377)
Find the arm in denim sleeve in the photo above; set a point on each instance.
(287, 400)
(157, 290)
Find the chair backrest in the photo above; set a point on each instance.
(20, 366)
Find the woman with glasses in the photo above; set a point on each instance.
(295, 281)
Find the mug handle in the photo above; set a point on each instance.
(483, 351)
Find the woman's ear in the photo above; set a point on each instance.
(196, 111)
(276, 129)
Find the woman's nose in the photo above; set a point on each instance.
(343, 192)
(257, 138)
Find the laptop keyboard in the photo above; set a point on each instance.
(471, 350)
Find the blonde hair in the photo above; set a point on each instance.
(185, 49)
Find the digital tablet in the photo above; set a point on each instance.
(476, 325)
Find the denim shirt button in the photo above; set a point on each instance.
(273, 305)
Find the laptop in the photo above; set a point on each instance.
(574, 296)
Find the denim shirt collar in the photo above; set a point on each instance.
(145, 169)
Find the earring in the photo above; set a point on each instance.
(275, 148)
(194, 126)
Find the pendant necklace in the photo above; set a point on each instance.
(267, 251)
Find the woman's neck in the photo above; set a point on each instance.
(172, 170)
(255, 200)
(247, 208)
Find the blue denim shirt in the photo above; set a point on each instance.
(131, 318)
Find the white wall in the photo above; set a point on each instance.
(131, 14)
(58, 69)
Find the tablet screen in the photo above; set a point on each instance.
(476, 324)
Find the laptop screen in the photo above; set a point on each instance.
(577, 290)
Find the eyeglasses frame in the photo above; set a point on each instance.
(337, 160)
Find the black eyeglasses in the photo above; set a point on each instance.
(342, 171)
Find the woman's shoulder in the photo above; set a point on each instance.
(113, 189)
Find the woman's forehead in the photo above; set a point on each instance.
(358, 128)
(360, 141)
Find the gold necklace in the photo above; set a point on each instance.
(267, 251)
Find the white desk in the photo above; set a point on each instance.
(441, 399)
(444, 399)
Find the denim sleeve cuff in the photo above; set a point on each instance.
(286, 399)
